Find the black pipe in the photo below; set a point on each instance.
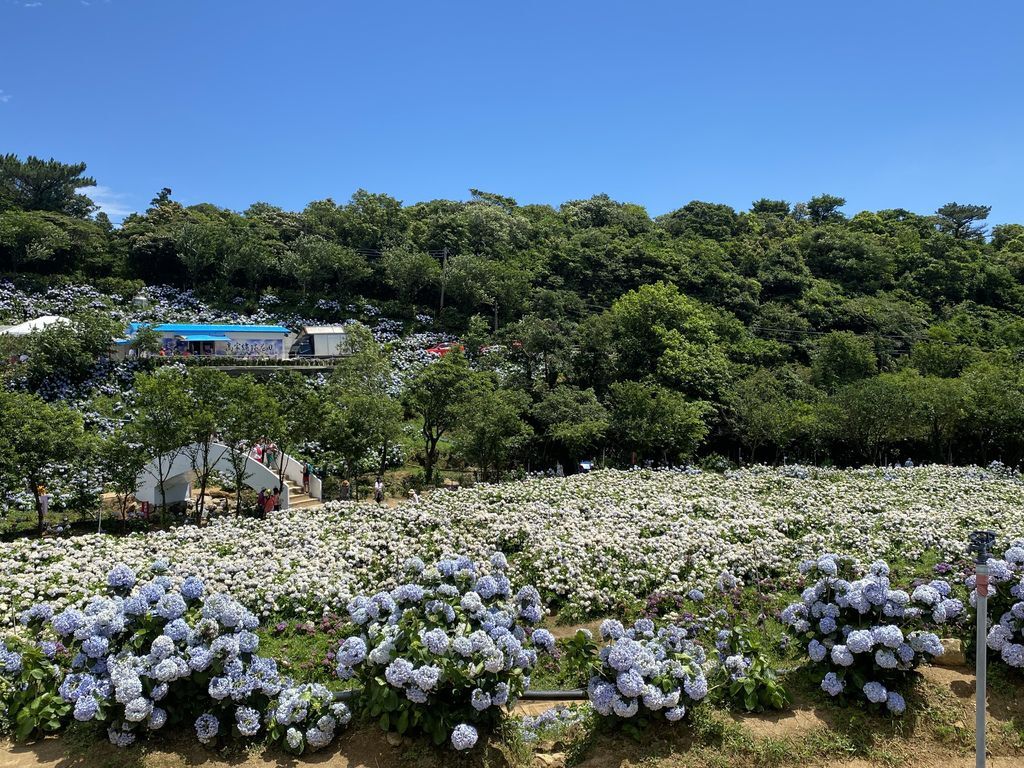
(576, 694)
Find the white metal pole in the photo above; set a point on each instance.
(981, 658)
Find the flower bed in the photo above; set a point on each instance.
(589, 543)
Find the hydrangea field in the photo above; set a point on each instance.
(131, 634)
(585, 542)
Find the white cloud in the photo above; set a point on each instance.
(32, 5)
(110, 202)
(4, 96)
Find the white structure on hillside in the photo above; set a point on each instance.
(24, 329)
(178, 473)
(322, 341)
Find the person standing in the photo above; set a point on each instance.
(346, 490)
(271, 502)
(44, 501)
(307, 469)
(261, 500)
(378, 490)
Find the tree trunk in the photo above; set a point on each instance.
(430, 459)
(41, 521)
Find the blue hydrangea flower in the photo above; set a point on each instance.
(464, 736)
(192, 588)
(436, 640)
(427, 677)
(896, 704)
(207, 727)
(543, 639)
(841, 655)
(816, 651)
(86, 708)
(480, 699)
(860, 641)
(121, 577)
(398, 672)
(875, 692)
(696, 687)
(832, 685)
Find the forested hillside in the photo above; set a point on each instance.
(791, 329)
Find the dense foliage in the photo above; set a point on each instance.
(782, 331)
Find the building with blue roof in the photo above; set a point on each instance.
(217, 339)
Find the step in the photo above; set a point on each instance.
(305, 503)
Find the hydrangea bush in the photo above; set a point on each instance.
(146, 654)
(866, 636)
(745, 671)
(1006, 604)
(302, 717)
(647, 670)
(448, 648)
(29, 676)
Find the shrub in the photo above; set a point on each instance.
(746, 673)
(302, 716)
(29, 677)
(148, 654)
(647, 670)
(450, 647)
(866, 636)
(1006, 601)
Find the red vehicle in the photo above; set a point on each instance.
(445, 347)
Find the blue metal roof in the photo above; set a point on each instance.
(194, 329)
(207, 337)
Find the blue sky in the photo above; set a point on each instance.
(908, 103)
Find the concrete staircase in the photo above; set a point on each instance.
(297, 499)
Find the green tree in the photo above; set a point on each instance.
(301, 409)
(572, 421)
(68, 351)
(439, 397)
(249, 413)
(658, 331)
(495, 433)
(361, 418)
(314, 261)
(961, 220)
(146, 341)
(207, 393)
(410, 273)
(648, 420)
(766, 207)
(161, 422)
(29, 239)
(37, 443)
(841, 357)
(825, 208)
(761, 412)
(35, 184)
(121, 461)
(698, 219)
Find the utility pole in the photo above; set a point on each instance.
(981, 543)
(444, 275)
